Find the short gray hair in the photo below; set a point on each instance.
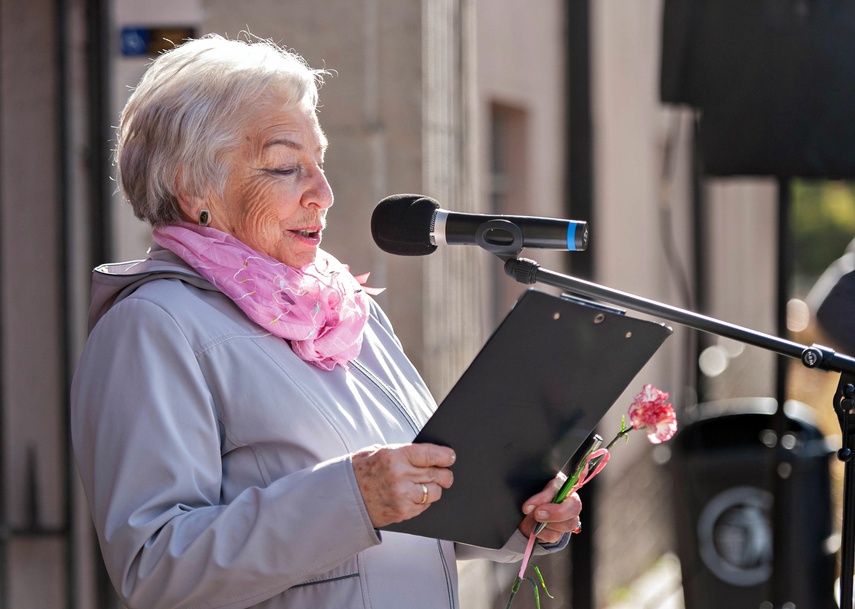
(188, 111)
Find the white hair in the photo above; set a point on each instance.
(190, 109)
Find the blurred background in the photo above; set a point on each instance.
(706, 142)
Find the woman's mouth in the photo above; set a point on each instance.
(310, 235)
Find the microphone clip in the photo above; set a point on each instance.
(500, 237)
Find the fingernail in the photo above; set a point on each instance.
(578, 528)
(542, 515)
(528, 509)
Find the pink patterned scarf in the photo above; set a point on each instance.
(320, 309)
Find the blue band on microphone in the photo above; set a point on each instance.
(572, 227)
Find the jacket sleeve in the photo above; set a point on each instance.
(512, 551)
(148, 442)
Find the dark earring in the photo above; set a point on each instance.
(204, 217)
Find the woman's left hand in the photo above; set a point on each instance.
(562, 517)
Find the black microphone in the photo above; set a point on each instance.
(413, 225)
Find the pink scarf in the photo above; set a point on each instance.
(320, 309)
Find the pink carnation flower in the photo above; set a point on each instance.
(651, 412)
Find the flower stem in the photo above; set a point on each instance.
(623, 432)
(514, 589)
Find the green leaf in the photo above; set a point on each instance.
(542, 583)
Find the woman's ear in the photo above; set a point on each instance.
(191, 206)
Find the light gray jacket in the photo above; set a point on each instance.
(215, 461)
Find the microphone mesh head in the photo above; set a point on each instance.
(402, 224)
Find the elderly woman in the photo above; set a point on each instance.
(242, 413)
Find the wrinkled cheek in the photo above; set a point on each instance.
(257, 223)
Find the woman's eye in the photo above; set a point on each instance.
(292, 170)
(286, 171)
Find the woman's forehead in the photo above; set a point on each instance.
(295, 128)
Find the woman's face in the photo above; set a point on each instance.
(276, 196)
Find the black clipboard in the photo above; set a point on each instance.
(525, 406)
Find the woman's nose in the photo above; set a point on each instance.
(320, 192)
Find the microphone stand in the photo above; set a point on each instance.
(815, 356)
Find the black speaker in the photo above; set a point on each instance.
(730, 494)
(774, 79)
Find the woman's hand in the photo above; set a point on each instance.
(401, 481)
(562, 517)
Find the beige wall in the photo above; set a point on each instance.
(521, 57)
(742, 288)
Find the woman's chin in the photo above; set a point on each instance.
(299, 260)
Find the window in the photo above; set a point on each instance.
(507, 186)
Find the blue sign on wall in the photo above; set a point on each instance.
(153, 40)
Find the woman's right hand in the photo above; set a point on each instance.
(400, 481)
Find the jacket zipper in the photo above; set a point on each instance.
(388, 393)
(406, 413)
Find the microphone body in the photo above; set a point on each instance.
(457, 228)
(413, 225)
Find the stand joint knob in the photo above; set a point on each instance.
(522, 270)
(811, 357)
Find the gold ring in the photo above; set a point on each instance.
(424, 494)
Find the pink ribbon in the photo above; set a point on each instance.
(586, 476)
